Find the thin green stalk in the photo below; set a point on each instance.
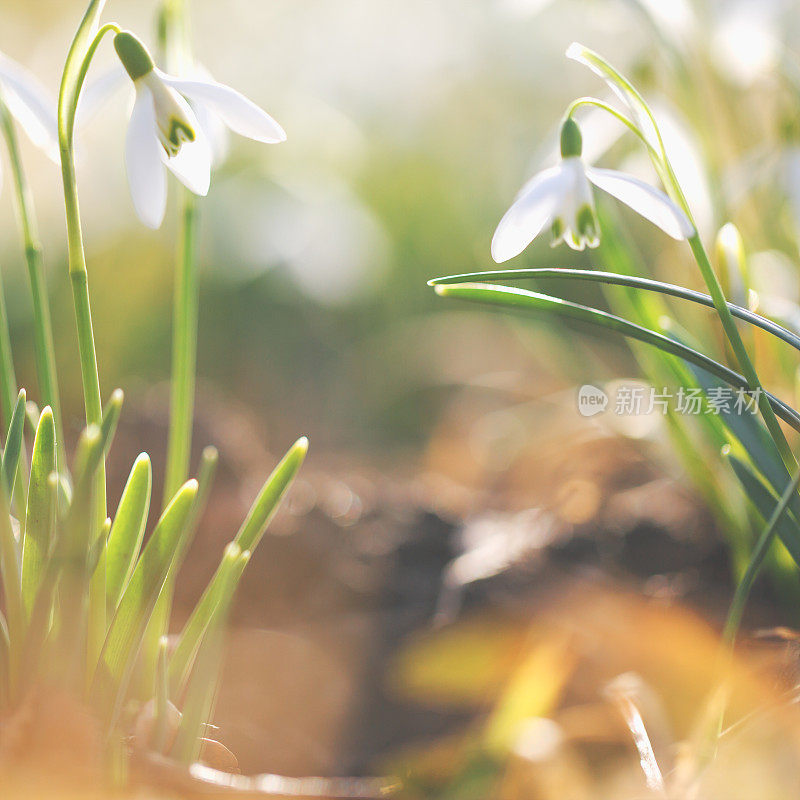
(43, 329)
(175, 44)
(658, 155)
(75, 70)
(739, 350)
(80, 55)
(8, 392)
(8, 378)
(756, 560)
(184, 351)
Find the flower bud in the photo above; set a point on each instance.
(571, 139)
(133, 54)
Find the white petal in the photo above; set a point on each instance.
(214, 128)
(146, 176)
(192, 165)
(31, 105)
(240, 114)
(643, 199)
(215, 131)
(529, 213)
(96, 94)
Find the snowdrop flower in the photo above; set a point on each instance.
(164, 129)
(30, 105)
(562, 197)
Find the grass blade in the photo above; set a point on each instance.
(764, 501)
(111, 415)
(127, 532)
(67, 564)
(40, 508)
(512, 297)
(266, 504)
(9, 569)
(631, 281)
(757, 559)
(144, 688)
(247, 538)
(13, 448)
(162, 698)
(136, 606)
(97, 582)
(205, 673)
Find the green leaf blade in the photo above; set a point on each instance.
(13, 446)
(248, 537)
(127, 531)
(138, 600)
(36, 533)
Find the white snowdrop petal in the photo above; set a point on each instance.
(147, 179)
(644, 199)
(192, 165)
(97, 93)
(30, 104)
(241, 115)
(529, 213)
(215, 131)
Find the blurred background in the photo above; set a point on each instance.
(451, 480)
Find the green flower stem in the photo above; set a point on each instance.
(77, 65)
(43, 329)
(618, 115)
(174, 36)
(184, 351)
(665, 171)
(756, 560)
(69, 94)
(664, 167)
(739, 350)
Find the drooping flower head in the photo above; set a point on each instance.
(164, 129)
(561, 196)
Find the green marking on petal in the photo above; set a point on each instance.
(180, 131)
(133, 55)
(557, 230)
(587, 225)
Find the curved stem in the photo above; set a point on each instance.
(661, 162)
(634, 282)
(69, 95)
(513, 297)
(618, 115)
(79, 58)
(43, 328)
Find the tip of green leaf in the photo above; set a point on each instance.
(301, 445)
(21, 396)
(210, 453)
(232, 551)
